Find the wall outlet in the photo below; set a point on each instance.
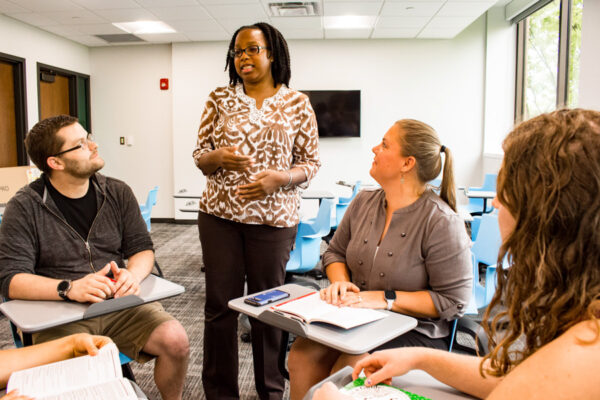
(122, 140)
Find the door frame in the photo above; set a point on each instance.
(73, 83)
(20, 104)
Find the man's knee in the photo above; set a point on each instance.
(169, 339)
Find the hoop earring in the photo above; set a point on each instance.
(402, 179)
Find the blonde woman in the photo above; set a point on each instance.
(401, 248)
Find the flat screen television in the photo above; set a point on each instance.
(337, 112)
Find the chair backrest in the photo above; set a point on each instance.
(488, 241)
(151, 199)
(321, 225)
(355, 190)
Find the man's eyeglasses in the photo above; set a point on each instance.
(83, 144)
(250, 51)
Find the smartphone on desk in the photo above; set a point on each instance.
(266, 298)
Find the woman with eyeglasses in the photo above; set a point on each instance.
(257, 142)
(545, 337)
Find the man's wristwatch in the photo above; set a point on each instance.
(390, 296)
(63, 288)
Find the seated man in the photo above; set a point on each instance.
(61, 237)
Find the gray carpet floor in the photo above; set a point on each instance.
(179, 254)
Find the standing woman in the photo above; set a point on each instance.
(257, 140)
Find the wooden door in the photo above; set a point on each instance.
(54, 97)
(8, 127)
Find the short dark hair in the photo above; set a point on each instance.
(41, 141)
(280, 67)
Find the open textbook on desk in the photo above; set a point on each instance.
(310, 308)
(81, 378)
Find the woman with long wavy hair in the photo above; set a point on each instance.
(549, 298)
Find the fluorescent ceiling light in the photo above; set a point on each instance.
(144, 27)
(349, 22)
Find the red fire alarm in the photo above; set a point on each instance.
(164, 84)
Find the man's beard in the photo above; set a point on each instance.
(83, 171)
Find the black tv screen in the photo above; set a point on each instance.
(337, 112)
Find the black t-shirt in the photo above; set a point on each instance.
(79, 213)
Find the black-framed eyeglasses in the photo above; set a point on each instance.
(84, 144)
(250, 51)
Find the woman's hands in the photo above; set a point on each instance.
(14, 395)
(381, 366)
(228, 158)
(347, 294)
(265, 183)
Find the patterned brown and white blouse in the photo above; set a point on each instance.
(282, 134)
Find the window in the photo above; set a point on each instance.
(548, 47)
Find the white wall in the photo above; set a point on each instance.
(589, 78)
(35, 45)
(127, 101)
(437, 81)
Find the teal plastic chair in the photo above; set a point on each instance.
(306, 253)
(485, 251)
(146, 208)
(476, 205)
(342, 205)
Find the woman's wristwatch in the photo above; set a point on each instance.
(390, 297)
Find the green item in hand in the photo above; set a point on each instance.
(358, 390)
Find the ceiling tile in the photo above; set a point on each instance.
(163, 37)
(352, 8)
(97, 29)
(297, 22)
(88, 40)
(48, 5)
(8, 7)
(34, 19)
(347, 33)
(180, 13)
(400, 33)
(199, 25)
(237, 11)
(439, 33)
(411, 8)
(62, 30)
(209, 36)
(451, 22)
(402, 22)
(106, 4)
(461, 9)
(290, 34)
(75, 17)
(211, 2)
(232, 24)
(126, 15)
(166, 3)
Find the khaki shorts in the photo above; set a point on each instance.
(130, 329)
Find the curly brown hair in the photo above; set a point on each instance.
(550, 183)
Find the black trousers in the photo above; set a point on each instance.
(233, 253)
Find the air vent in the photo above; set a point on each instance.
(295, 9)
(120, 38)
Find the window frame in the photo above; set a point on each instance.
(564, 40)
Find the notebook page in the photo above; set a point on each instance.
(119, 389)
(69, 374)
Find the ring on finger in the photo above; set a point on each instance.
(359, 299)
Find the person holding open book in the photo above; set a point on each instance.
(402, 248)
(76, 345)
(544, 339)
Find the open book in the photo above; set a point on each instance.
(310, 308)
(82, 378)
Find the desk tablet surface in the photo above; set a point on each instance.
(353, 341)
(36, 315)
